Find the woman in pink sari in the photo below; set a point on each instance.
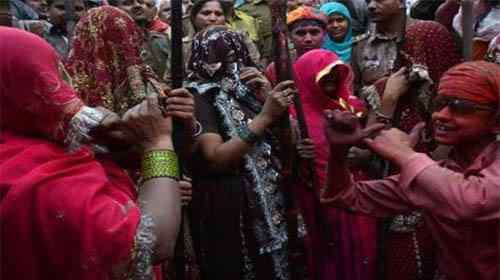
(76, 215)
(348, 252)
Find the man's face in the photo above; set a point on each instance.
(384, 10)
(453, 128)
(35, 4)
(307, 37)
(186, 7)
(57, 12)
(165, 11)
(137, 9)
(150, 10)
(210, 14)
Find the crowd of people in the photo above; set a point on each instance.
(377, 160)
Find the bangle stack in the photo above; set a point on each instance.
(247, 135)
(160, 163)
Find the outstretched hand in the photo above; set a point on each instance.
(344, 130)
(394, 144)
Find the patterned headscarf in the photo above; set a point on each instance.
(35, 100)
(210, 51)
(342, 49)
(235, 105)
(105, 61)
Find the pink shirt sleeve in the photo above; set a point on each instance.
(424, 184)
(452, 194)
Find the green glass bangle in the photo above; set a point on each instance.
(160, 163)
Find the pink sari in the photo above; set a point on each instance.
(65, 215)
(352, 256)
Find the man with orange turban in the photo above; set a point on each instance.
(459, 197)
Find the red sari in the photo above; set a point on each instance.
(65, 215)
(352, 256)
(105, 62)
(409, 251)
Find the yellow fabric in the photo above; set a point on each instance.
(244, 22)
(259, 10)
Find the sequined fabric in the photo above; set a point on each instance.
(105, 61)
(235, 106)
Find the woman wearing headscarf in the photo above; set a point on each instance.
(105, 60)
(239, 225)
(339, 30)
(403, 101)
(106, 68)
(76, 214)
(324, 82)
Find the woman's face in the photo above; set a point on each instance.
(329, 84)
(210, 14)
(337, 27)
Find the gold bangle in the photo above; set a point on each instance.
(160, 163)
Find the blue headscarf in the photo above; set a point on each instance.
(344, 48)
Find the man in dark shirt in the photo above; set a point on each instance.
(375, 52)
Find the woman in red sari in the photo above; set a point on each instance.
(325, 82)
(105, 60)
(75, 215)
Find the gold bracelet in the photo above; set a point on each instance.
(160, 163)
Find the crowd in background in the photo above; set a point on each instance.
(392, 174)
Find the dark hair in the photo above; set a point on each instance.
(306, 22)
(200, 3)
(50, 2)
(113, 2)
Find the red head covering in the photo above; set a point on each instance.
(308, 68)
(35, 100)
(313, 66)
(478, 81)
(430, 44)
(157, 25)
(64, 215)
(105, 60)
(353, 233)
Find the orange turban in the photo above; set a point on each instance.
(305, 13)
(477, 81)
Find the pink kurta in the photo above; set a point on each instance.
(461, 207)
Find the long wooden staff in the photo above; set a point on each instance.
(284, 71)
(467, 29)
(177, 75)
(282, 64)
(5, 17)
